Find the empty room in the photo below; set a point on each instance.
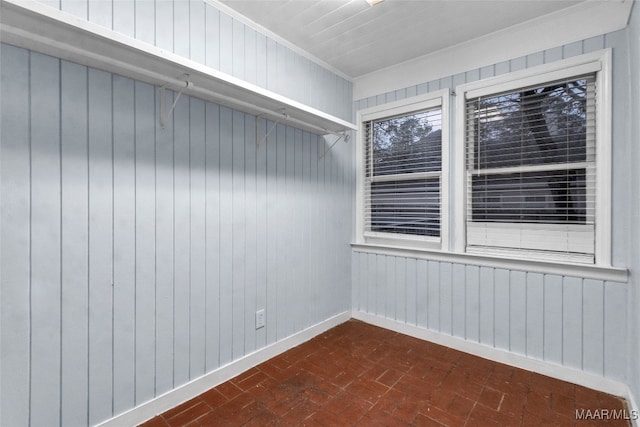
(322, 213)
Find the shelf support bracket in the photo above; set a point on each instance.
(340, 136)
(285, 116)
(164, 114)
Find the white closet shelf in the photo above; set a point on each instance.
(43, 29)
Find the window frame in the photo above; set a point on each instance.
(431, 100)
(598, 62)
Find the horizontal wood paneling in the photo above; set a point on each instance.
(135, 257)
(199, 31)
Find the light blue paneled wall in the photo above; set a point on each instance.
(634, 196)
(197, 30)
(579, 323)
(135, 257)
(570, 321)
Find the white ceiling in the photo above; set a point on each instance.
(357, 39)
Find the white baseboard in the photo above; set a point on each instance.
(199, 385)
(632, 407)
(188, 391)
(564, 373)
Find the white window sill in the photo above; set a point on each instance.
(585, 271)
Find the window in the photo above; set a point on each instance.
(402, 179)
(536, 159)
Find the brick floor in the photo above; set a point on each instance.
(360, 375)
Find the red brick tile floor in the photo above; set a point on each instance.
(357, 374)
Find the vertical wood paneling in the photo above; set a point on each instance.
(446, 298)
(182, 244)
(124, 17)
(472, 303)
(553, 318)
(250, 56)
(181, 28)
(145, 25)
(197, 35)
(433, 296)
(75, 7)
(390, 287)
(272, 184)
(238, 229)
(212, 36)
(137, 255)
(45, 237)
(74, 244)
(572, 49)
(15, 236)
(238, 49)
(401, 294)
(295, 197)
(165, 279)
(164, 25)
(572, 322)
(518, 312)
(422, 291)
(197, 233)
(123, 245)
(380, 285)
(226, 236)
(593, 326)
(288, 268)
(226, 43)
(615, 330)
(261, 228)
(535, 315)
(305, 200)
(250, 258)
(487, 305)
(100, 246)
(261, 61)
(199, 31)
(411, 298)
(101, 12)
(145, 241)
(212, 236)
(315, 217)
(501, 308)
(458, 301)
(280, 220)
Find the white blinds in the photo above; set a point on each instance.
(403, 164)
(530, 162)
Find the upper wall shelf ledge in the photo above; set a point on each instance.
(40, 28)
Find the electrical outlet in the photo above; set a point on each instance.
(260, 319)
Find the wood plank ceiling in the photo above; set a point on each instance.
(357, 39)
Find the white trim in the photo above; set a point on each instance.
(575, 23)
(539, 74)
(438, 98)
(585, 271)
(198, 386)
(564, 373)
(40, 28)
(178, 395)
(599, 61)
(604, 170)
(632, 405)
(275, 37)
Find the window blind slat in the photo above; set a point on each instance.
(530, 159)
(403, 163)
